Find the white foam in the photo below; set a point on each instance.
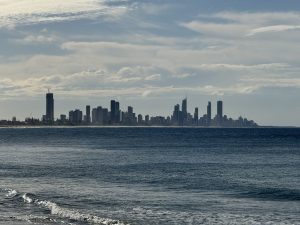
(11, 193)
(75, 215)
(26, 198)
(63, 212)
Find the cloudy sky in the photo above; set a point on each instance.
(151, 54)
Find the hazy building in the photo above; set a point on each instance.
(176, 115)
(99, 115)
(94, 116)
(114, 112)
(208, 114)
(117, 112)
(63, 118)
(129, 117)
(219, 112)
(106, 116)
(147, 119)
(71, 113)
(88, 114)
(196, 116)
(75, 117)
(140, 119)
(49, 108)
(184, 112)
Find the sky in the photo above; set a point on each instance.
(150, 55)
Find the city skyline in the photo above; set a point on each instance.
(146, 53)
(114, 115)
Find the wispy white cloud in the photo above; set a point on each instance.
(275, 28)
(17, 12)
(239, 24)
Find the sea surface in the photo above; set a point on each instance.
(149, 176)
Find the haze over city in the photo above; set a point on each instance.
(151, 54)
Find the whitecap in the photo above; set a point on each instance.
(75, 215)
(11, 193)
(26, 198)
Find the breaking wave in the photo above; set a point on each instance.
(59, 211)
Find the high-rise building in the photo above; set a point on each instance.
(208, 114)
(184, 112)
(75, 117)
(99, 115)
(117, 112)
(94, 115)
(140, 119)
(49, 108)
(176, 115)
(147, 119)
(219, 112)
(196, 116)
(112, 111)
(88, 114)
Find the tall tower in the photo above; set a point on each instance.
(117, 112)
(184, 111)
(88, 114)
(49, 107)
(220, 112)
(112, 111)
(208, 113)
(196, 116)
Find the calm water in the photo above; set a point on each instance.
(147, 176)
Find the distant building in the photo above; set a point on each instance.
(208, 114)
(219, 113)
(49, 108)
(63, 118)
(88, 114)
(75, 117)
(114, 112)
(147, 119)
(196, 116)
(176, 115)
(184, 112)
(94, 116)
(140, 119)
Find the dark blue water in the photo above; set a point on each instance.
(147, 176)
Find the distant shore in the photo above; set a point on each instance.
(124, 126)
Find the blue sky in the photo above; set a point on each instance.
(151, 54)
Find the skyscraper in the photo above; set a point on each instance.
(184, 111)
(208, 113)
(220, 112)
(196, 116)
(117, 112)
(49, 108)
(112, 111)
(88, 114)
(176, 115)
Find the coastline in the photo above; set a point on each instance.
(124, 126)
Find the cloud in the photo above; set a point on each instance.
(239, 24)
(242, 67)
(24, 12)
(145, 82)
(36, 39)
(276, 28)
(216, 29)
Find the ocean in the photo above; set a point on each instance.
(149, 176)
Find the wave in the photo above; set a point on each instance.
(59, 211)
(274, 194)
